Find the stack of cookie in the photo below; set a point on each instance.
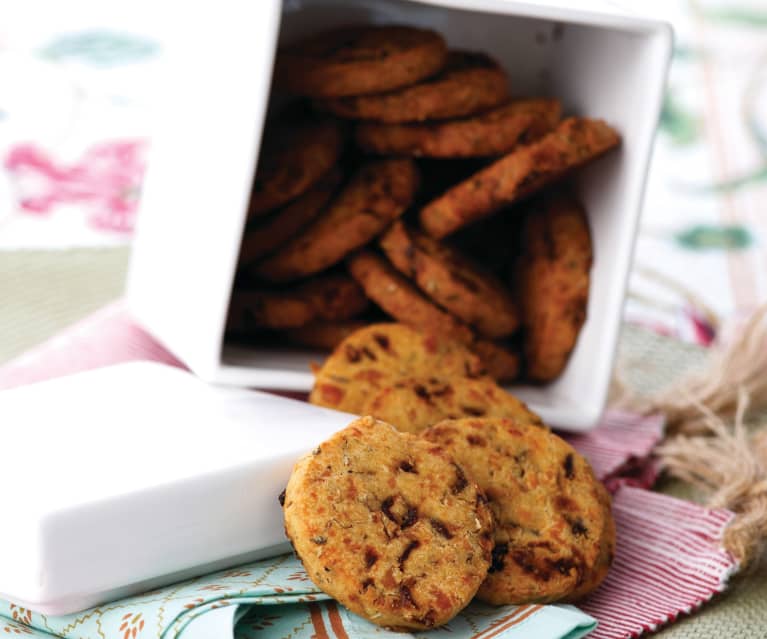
(406, 530)
(438, 149)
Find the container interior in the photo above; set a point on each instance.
(598, 69)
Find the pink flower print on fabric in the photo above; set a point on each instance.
(106, 182)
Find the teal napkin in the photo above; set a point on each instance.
(269, 599)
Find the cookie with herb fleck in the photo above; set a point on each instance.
(295, 154)
(573, 143)
(457, 284)
(323, 335)
(390, 528)
(553, 280)
(377, 194)
(331, 297)
(380, 354)
(358, 60)
(402, 300)
(414, 404)
(271, 232)
(552, 517)
(469, 83)
(495, 132)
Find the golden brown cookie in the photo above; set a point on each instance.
(501, 361)
(381, 354)
(376, 194)
(294, 155)
(469, 83)
(454, 282)
(403, 301)
(413, 404)
(606, 554)
(323, 335)
(492, 133)
(359, 60)
(574, 142)
(551, 514)
(392, 530)
(553, 283)
(276, 229)
(327, 297)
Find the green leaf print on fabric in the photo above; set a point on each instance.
(679, 124)
(757, 176)
(741, 16)
(723, 238)
(100, 48)
(686, 53)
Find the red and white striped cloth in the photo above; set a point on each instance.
(668, 559)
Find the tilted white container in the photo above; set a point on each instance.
(599, 61)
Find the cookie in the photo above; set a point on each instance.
(551, 514)
(294, 155)
(328, 297)
(404, 302)
(469, 83)
(376, 194)
(454, 282)
(492, 133)
(273, 231)
(552, 277)
(574, 142)
(322, 335)
(381, 354)
(414, 404)
(389, 528)
(501, 361)
(606, 555)
(359, 60)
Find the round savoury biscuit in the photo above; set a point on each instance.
(469, 83)
(379, 354)
(402, 300)
(553, 281)
(494, 132)
(414, 404)
(573, 143)
(358, 60)
(452, 280)
(271, 232)
(378, 193)
(323, 335)
(295, 154)
(551, 514)
(391, 529)
(331, 297)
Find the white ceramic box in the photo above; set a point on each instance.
(599, 61)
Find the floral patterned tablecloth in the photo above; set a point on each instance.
(74, 133)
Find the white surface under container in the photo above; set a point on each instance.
(600, 62)
(123, 479)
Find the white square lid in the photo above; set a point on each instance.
(139, 471)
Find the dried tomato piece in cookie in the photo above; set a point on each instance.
(393, 530)
(553, 530)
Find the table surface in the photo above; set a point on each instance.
(45, 291)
